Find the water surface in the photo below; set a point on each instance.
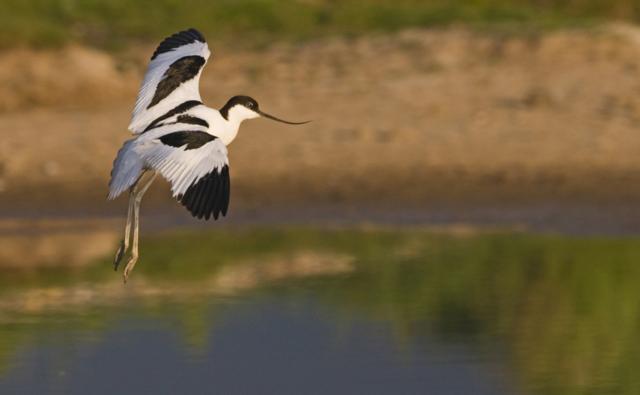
(332, 311)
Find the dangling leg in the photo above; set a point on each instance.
(124, 244)
(136, 226)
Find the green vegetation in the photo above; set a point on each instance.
(116, 22)
(566, 309)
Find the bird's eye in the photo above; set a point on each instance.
(249, 104)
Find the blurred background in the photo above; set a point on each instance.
(459, 217)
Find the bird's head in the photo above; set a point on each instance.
(239, 108)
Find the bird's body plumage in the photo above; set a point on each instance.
(178, 137)
(183, 148)
(175, 133)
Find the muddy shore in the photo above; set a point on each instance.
(415, 118)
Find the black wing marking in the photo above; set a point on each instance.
(209, 195)
(193, 139)
(177, 40)
(180, 71)
(190, 119)
(183, 107)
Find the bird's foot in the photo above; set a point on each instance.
(119, 255)
(130, 265)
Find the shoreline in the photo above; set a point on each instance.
(451, 121)
(63, 240)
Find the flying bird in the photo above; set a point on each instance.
(178, 137)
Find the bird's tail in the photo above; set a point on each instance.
(127, 168)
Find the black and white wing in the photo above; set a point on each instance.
(196, 165)
(172, 78)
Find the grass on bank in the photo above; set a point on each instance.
(113, 23)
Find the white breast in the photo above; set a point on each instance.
(225, 130)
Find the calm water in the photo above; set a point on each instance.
(304, 311)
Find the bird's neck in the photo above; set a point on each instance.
(228, 131)
(224, 129)
(232, 119)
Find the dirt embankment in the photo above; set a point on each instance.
(413, 117)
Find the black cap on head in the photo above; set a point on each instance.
(251, 104)
(246, 101)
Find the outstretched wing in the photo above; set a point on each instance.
(196, 165)
(172, 78)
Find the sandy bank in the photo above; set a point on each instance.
(413, 117)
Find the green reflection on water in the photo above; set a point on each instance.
(566, 310)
